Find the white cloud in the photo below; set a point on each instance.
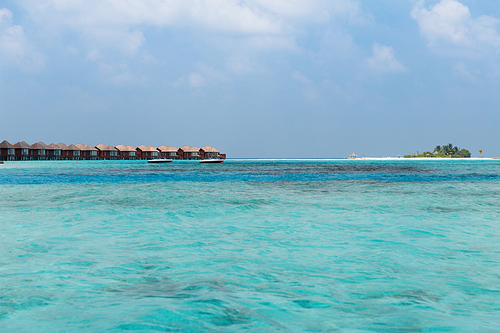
(242, 63)
(310, 89)
(119, 74)
(196, 80)
(300, 77)
(118, 22)
(238, 31)
(461, 70)
(450, 21)
(233, 16)
(93, 55)
(383, 59)
(203, 76)
(15, 47)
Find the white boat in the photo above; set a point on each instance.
(212, 160)
(161, 160)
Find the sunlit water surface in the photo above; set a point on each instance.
(256, 246)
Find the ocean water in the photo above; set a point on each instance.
(250, 246)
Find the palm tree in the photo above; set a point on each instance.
(446, 150)
(481, 152)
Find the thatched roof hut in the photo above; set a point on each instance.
(209, 152)
(147, 151)
(127, 151)
(71, 147)
(125, 148)
(38, 145)
(209, 149)
(145, 148)
(87, 151)
(189, 152)
(54, 150)
(83, 147)
(189, 149)
(103, 147)
(6, 145)
(38, 150)
(168, 149)
(107, 151)
(7, 151)
(21, 145)
(22, 149)
(71, 151)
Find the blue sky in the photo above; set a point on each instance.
(254, 78)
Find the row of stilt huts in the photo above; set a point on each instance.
(22, 151)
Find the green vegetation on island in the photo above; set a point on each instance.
(447, 151)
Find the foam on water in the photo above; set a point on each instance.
(258, 246)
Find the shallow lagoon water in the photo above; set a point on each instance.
(257, 246)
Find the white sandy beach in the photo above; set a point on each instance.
(421, 159)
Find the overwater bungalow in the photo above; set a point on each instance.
(38, 151)
(7, 151)
(189, 153)
(168, 152)
(53, 152)
(87, 151)
(107, 152)
(22, 151)
(70, 152)
(147, 152)
(209, 152)
(126, 152)
(62, 146)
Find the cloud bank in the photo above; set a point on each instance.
(118, 23)
(450, 22)
(15, 48)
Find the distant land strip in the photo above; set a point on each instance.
(447, 151)
(22, 151)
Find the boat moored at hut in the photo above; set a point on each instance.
(22, 151)
(7, 151)
(209, 152)
(168, 152)
(126, 152)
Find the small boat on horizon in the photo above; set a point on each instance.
(212, 160)
(160, 160)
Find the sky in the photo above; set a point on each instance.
(253, 78)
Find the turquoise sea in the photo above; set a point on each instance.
(250, 246)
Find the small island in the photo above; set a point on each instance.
(447, 151)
